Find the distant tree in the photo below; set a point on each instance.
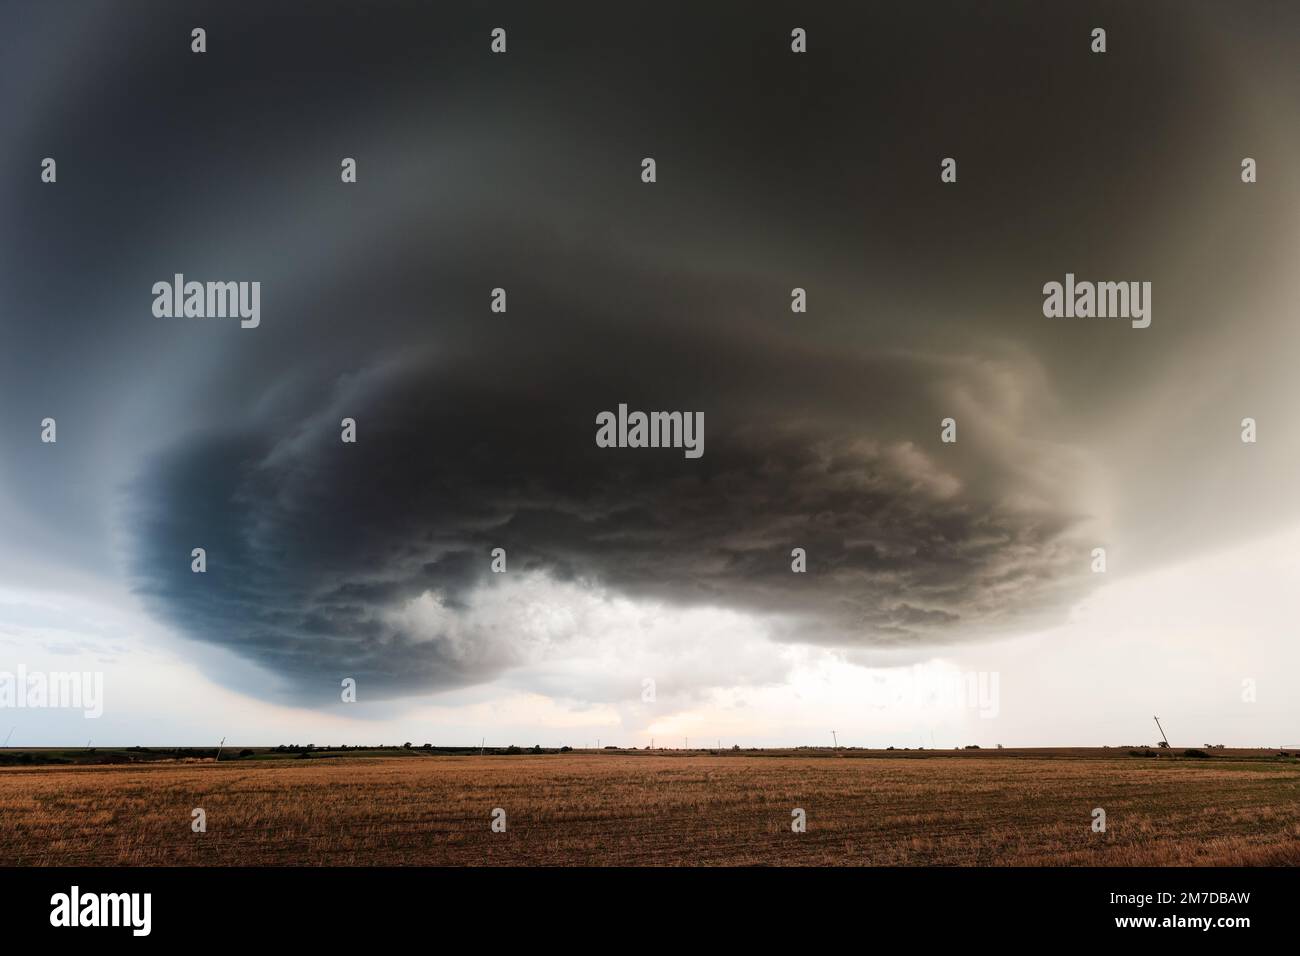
(1164, 745)
(407, 745)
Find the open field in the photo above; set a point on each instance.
(637, 808)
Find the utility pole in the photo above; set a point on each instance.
(836, 740)
(482, 745)
(1162, 730)
(219, 746)
(11, 733)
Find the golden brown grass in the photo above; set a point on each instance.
(596, 809)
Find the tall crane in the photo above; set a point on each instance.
(1162, 730)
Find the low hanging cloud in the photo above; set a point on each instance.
(372, 560)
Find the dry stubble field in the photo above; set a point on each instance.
(644, 809)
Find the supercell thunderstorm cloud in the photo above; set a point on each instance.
(475, 426)
(905, 549)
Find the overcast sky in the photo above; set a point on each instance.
(927, 562)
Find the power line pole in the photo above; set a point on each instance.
(219, 746)
(836, 740)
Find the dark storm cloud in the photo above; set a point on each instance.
(314, 544)
(476, 430)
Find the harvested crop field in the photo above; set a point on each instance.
(635, 808)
